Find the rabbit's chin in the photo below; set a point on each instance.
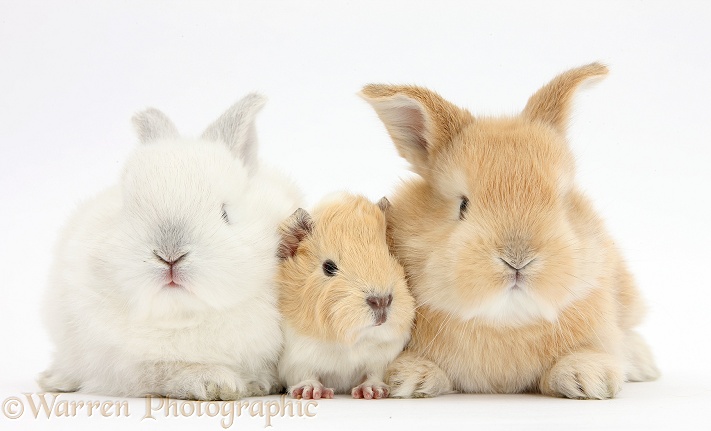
(510, 307)
(514, 307)
(172, 307)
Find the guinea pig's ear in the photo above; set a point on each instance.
(236, 128)
(418, 120)
(551, 104)
(384, 204)
(292, 231)
(152, 125)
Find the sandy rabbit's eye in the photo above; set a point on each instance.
(224, 215)
(330, 268)
(463, 207)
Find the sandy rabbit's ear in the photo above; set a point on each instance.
(236, 128)
(551, 104)
(152, 125)
(418, 120)
(292, 231)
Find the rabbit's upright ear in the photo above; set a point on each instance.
(292, 231)
(418, 120)
(551, 104)
(152, 125)
(236, 128)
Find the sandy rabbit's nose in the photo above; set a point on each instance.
(516, 264)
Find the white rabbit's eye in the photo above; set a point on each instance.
(463, 207)
(329, 268)
(224, 214)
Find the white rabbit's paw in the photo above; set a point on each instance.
(258, 388)
(594, 376)
(371, 390)
(310, 389)
(206, 383)
(53, 381)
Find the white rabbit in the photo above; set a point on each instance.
(165, 284)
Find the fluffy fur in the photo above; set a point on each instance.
(519, 288)
(164, 284)
(334, 340)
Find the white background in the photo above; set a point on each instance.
(72, 73)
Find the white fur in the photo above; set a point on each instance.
(339, 366)
(118, 328)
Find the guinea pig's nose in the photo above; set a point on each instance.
(379, 302)
(380, 305)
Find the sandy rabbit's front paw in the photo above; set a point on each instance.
(200, 382)
(640, 362)
(584, 376)
(310, 389)
(371, 390)
(411, 376)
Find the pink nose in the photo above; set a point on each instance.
(380, 305)
(377, 302)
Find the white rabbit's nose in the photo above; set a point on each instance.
(170, 260)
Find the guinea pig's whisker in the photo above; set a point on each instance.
(441, 327)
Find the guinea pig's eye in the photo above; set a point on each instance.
(463, 207)
(224, 214)
(329, 268)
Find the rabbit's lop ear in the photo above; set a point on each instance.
(292, 231)
(551, 104)
(236, 128)
(152, 125)
(418, 120)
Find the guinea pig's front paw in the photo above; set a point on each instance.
(584, 375)
(200, 382)
(371, 390)
(411, 376)
(310, 389)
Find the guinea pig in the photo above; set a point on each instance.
(164, 284)
(518, 285)
(347, 312)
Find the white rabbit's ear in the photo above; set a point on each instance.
(418, 120)
(292, 231)
(551, 104)
(152, 125)
(236, 128)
